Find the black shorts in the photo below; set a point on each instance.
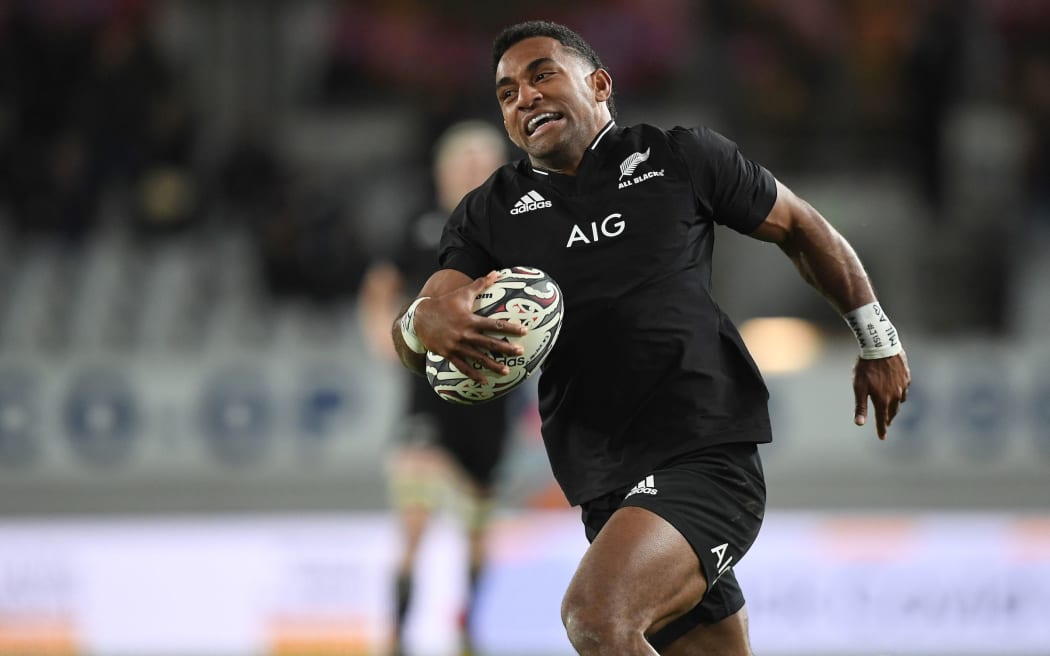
(475, 437)
(716, 498)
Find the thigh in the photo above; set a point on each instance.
(676, 535)
(716, 500)
(639, 571)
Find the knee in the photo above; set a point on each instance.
(596, 628)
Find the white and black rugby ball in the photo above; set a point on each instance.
(523, 295)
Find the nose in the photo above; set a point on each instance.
(528, 95)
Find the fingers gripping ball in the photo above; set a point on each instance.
(522, 295)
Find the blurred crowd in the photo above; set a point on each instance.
(99, 120)
(881, 76)
(89, 102)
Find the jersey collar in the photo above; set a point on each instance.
(598, 139)
(593, 148)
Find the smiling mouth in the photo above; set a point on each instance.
(540, 120)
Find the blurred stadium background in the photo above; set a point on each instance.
(192, 432)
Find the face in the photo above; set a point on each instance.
(553, 103)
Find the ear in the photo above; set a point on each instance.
(602, 82)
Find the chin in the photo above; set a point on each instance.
(545, 149)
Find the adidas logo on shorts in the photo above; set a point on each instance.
(645, 486)
(528, 202)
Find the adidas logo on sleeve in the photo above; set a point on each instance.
(644, 486)
(528, 202)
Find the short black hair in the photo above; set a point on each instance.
(563, 35)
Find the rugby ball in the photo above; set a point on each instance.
(523, 295)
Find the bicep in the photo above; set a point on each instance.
(784, 219)
(823, 257)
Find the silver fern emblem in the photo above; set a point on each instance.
(628, 166)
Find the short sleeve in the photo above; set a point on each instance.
(736, 191)
(466, 239)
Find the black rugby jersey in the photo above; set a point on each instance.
(647, 367)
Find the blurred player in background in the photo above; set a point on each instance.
(439, 442)
(652, 406)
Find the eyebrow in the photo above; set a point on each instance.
(533, 65)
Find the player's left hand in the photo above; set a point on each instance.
(886, 381)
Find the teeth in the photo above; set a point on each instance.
(534, 121)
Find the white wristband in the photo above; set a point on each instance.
(875, 333)
(408, 327)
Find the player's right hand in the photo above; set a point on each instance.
(886, 381)
(447, 325)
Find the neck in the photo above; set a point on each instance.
(567, 160)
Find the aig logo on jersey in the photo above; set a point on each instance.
(628, 166)
(609, 227)
(529, 202)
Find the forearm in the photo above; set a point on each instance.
(827, 261)
(822, 256)
(414, 362)
(442, 320)
(438, 284)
